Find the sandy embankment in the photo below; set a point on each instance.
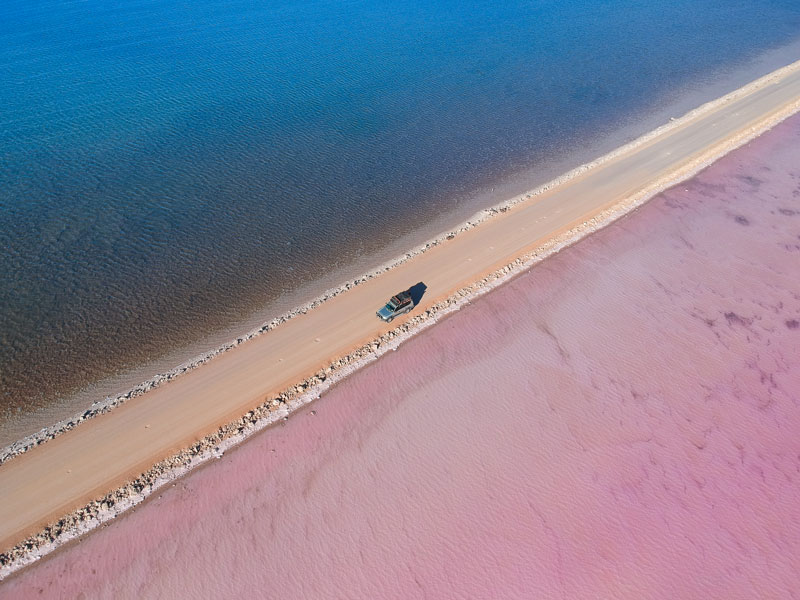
(619, 422)
(75, 468)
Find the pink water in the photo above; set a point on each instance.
(621, 422)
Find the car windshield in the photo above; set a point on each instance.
(391, 306)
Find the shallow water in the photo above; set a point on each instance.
(619, 422)
(168, 170)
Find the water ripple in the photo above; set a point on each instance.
(166, 170)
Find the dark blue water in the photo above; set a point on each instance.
(167, 168)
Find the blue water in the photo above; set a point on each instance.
(167, 168)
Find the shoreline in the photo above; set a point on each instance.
(132, 380)
(99, 407)
(270, 412)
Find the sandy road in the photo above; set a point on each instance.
(49, 481)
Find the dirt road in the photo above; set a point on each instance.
(51, 480)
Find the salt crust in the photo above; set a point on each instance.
(273, 410)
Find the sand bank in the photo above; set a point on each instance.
(79, 467)
(619, 422)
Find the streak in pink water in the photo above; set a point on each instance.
(621, 422)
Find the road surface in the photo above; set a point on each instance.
(101, 454)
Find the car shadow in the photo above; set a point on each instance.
(417, 292)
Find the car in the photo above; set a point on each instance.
(399, 304)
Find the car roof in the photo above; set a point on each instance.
(401, 298)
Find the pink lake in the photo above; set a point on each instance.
(623, 421)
